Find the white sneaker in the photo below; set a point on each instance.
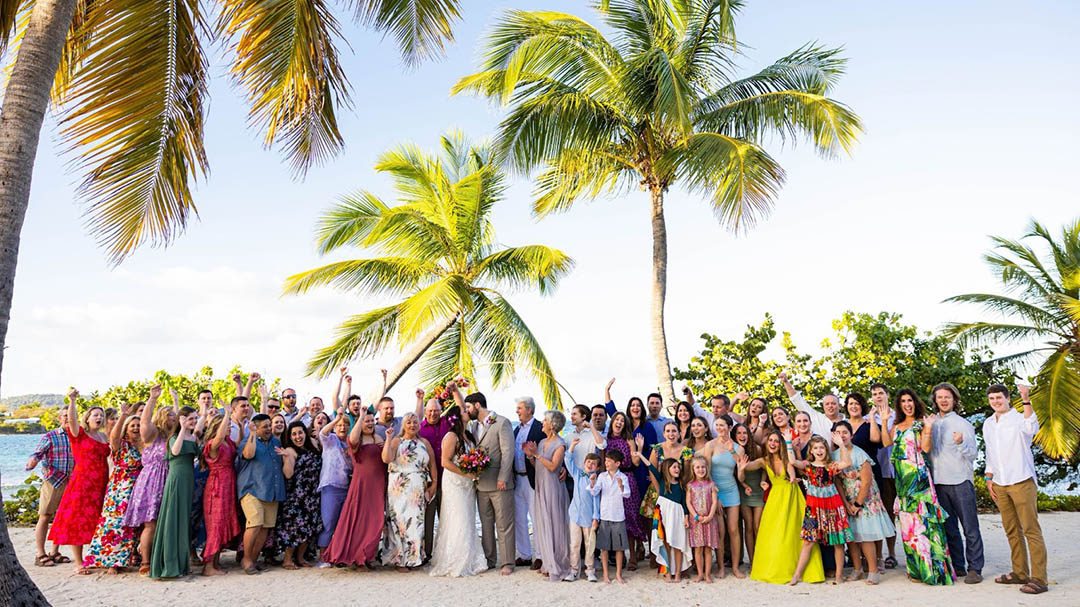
(592, 576)
(323, 565)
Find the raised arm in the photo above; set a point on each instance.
(246, 393)
(249, 446)
(73, 413)
(886, 431)
(926, 439)
(1031, 422)
(147, 429)
(222, 433)
(356, 434)
(419, 403)
(288, 461)
(875, 429)
(382, 390)
(609, 405)
(118, 428)
(178, 441)
(264, 397)
(389, 445)
(336, 400)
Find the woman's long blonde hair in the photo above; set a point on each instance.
(84, 419)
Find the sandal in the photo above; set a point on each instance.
(144, 570)
(251, 570)
(890, 563)
(59, 559)
(1010, 578)
(873, 579)
(855, 575)
(289, 567)
(44, 560)
(1034, 587)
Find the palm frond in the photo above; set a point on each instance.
(74, 52)
(657, 89)
(422, 28)
(359, 336)
(449, 357)
(349, 222)
(526, 266)
(573, 175)
(136, 121)
(1022, 274)
(1054, 399)
(474, 196)
(710, 34)
(501, 336)
(1066, 254)
(286, 61)
(973, 333)
(741, 179)
(444, 298)
(1010, 306)
(383, 275)
(406, 232)
(9, 14)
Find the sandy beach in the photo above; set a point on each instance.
(525, 588)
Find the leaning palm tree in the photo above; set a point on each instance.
(441, 266)
(129, 81)
(1041, 303)
(654, 106)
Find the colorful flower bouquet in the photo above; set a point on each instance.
(443, 394)
(473, 461)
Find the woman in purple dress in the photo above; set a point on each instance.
(154, 428)
(551, 502)
(619, 437)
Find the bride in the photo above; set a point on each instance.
(457, 546)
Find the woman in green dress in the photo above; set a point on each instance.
(172, 538)
(920, 519)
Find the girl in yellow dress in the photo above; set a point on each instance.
(779, 538)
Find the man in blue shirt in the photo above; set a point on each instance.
(260, 484)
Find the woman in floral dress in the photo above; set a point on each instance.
(301, 515)
(867, 516)
(920, 518)
(113, 545)
(79, 510)
(410, 485)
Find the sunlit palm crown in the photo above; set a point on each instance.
(442, 262)
(133, 81)
(655, 104)
(1041, 303)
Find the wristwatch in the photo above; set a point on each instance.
(856, 504)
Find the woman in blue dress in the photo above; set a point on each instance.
(722, 453)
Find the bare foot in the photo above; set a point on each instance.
(506, 570)
(112, 571)
(738, 574)
(708, 580)
(793, 582)
(699, 578)
(80, 570)
(669, 580)
(620, 579)
(607, 581)
(210, 571)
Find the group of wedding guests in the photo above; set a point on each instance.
(589, 496)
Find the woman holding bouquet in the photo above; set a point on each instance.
(458, 551)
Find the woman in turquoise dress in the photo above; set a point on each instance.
(172, 538)
(919, 516)
(721, 453)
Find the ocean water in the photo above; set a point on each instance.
(15, 449)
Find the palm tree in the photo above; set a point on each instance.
(1041, 303)
(654, 106)
(130, 79)
(441, 266)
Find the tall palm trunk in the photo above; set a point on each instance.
(659, 294)
(417, 350)
(25, 103)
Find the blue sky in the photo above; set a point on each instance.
(971, 123)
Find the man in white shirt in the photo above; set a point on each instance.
(820, 423)
(720, 406)
(589, 439)
(1010, 477)
(952, 458)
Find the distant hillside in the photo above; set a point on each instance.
(45, 400)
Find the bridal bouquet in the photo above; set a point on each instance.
(473, 461)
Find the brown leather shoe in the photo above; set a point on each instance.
(537, 564)
(522, 563)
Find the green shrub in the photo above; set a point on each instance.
(1047, 503)
(22, 507)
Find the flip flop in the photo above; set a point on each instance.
(890, 563)
(44, 560)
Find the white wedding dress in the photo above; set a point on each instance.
(457, 546)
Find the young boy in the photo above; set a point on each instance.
(584, 515)
(612, 487)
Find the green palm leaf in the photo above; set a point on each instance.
(422, 28)
(286, 61)
(359, 336)
(441, 299)
(9, 14)
(137, 120)
(449, 357)
(1054, 400)
(527, 266)
(350, 222)
(382, 276)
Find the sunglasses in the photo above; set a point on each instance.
(274, 407)
(292, 396)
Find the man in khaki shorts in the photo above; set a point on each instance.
(261, 486)
(54, 454)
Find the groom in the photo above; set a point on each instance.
(495, 489)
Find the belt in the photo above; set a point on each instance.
(521, 473)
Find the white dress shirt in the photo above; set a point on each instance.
(1008, 447)
(952, 464)
(611, 497)
(519, 440)
(586, 444)
(820, 424)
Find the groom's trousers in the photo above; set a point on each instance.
(496, 509)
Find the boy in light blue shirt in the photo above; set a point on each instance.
(584, 515)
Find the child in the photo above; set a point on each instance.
(704, 531)
(584, 515)
(612, 487)
(825, 520)
(670, 531)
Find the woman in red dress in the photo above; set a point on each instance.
(360, 527)
(219, 496)
(79, 510)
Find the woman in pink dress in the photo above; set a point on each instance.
(142, 510)
(360, 525)
(219, 495)
(79, 510)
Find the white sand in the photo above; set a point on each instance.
(524, 588)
